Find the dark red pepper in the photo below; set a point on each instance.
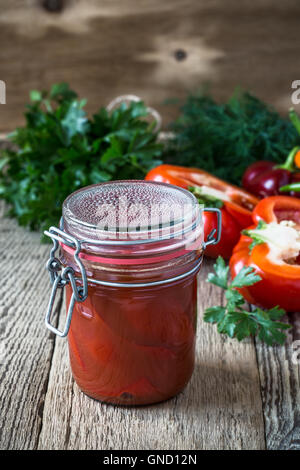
(265, 178)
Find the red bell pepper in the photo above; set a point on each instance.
(271, 247)
(235, 203)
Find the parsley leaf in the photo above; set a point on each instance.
(232, 319)
(220, 278)
(270, 330)
(214, 314)
(61, 149)
(246, 277)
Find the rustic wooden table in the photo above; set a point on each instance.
(242, 395)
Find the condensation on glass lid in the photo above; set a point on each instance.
(130, 206)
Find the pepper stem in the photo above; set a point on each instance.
(289, 163)
(291, 187)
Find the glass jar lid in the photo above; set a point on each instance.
(134, 217)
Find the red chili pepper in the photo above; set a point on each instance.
(265, 178)
(235, 203)
(271, 247)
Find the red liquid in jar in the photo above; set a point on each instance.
(134, 346)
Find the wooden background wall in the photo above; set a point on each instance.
(154, 48)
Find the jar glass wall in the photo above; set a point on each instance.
(134, 346)
(132, 336)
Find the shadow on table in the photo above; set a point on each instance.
(218, 387)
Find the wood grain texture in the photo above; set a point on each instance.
(26, 347)
(238, 398)
(220, 408)
(106, 48)
(279, 369)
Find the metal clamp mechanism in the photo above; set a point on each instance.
(211, 238)
(61, 276)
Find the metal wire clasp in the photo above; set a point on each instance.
(211, 238)
(61, 276)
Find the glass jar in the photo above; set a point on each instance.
(129, 257)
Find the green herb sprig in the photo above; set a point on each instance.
(60, 150)
(225, 138)
(233, 319)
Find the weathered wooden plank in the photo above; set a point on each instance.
(220, 408)
(279, 369)
(151, 48)
(59, 398)
(25, 345)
